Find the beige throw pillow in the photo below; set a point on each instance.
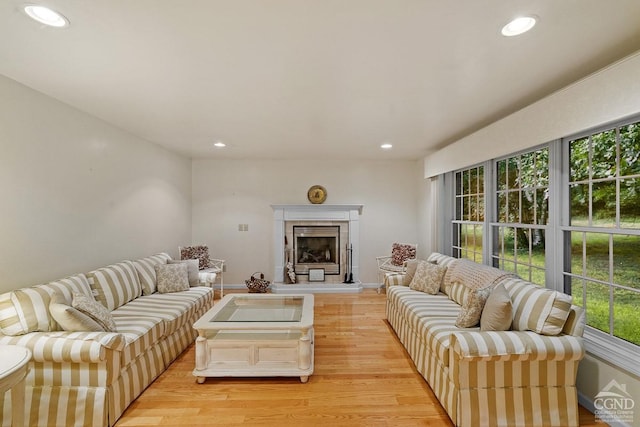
(427, 278)
(95, 311)
(412, 265)
(172, 278)
(471, 311)
(497, 313)
(193, 270)
(69, 318)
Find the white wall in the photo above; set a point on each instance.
(606, 96)
(231, 192)
(78, 194)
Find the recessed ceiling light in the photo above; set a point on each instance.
(519, 25)
(220, 144)
(46, 16)
(386, 146)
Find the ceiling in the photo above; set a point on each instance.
(294, 78)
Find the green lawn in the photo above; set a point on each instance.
(595, 296)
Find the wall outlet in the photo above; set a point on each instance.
(243, 227)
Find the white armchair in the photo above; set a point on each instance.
(210, 268)
(396, 262)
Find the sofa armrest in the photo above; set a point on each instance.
(514, 345)
(393, 279)
(74, 347)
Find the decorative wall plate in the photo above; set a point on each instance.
(317, 194)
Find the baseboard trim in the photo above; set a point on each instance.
(317, 288)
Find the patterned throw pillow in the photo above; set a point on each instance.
(192, 270)
(497, 313)
(172, 278)
(69, 318)
(94, 310)
(472, 308)
(427, 278)
(200, 252)
(401, 252)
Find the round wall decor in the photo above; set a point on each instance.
(317, 194)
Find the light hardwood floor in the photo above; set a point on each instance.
(362, 377)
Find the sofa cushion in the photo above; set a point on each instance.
(147, 273)
(472, 308)
(27, 310)
(32, 306)
(497, 313)
(9, 319)
(69, 318)
(172, 277)
(414, 305)
(95, 310)
(175, 309)
(141, 333)
(537, 309)
(427, 277)
(115, 285)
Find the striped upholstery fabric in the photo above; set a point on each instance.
(393, 279)
(115, 285)
(491, 378)
(147, 272)
(70, 285)
(27, 310)
(90, 378)
(537, 309)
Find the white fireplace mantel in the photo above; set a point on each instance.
(283, 213)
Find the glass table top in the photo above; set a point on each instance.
(252, 309)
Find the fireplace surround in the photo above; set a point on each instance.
(344, 217)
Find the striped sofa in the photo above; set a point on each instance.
(89, 378)
(518, 377)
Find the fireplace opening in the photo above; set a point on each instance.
(317, 247)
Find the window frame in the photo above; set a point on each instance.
(497, 260)
(619, 352)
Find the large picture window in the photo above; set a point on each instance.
(565, 216)
(468, 222)
(602, 270)
(522, 197)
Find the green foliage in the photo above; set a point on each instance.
(608, 159)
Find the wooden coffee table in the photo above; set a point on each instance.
(252, 335)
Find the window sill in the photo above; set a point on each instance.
(618, 352)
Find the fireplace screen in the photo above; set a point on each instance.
(317, 247)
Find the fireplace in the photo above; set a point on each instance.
(316, 246)
(336, 262)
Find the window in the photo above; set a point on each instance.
(522, 197)
(468, 220)
(566, 216)
(603, 231)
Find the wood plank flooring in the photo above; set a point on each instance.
(362, 377)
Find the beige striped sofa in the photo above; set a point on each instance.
(517, 377)
(89, 378)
